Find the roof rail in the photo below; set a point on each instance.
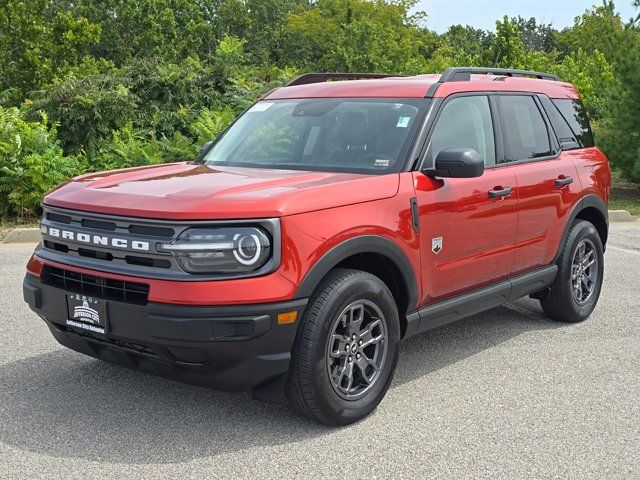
(307, 78)
(463, 74)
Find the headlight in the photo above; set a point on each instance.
(224, 250)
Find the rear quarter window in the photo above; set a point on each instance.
(566, 137)
(576, 116)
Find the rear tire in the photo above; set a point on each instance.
(346, 349)
(576, 289)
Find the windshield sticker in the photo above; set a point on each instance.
(403, 122)
(381, 163)
(260, 106)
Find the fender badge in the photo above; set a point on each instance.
(436, 245)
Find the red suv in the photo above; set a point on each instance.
(330, 221)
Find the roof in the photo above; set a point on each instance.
(418, 87)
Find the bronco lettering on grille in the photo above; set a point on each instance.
(102, 240)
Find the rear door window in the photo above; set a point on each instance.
(525, 131)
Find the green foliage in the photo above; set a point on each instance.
(86, 109)
(355, 35)
(596, 29)
(130, 147)
(210, 123)
(88, 85)
(592, 75)
(31, 162)
(167, 29)
(537, 36)
(621, 128)
(38, 42)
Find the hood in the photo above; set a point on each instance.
(183, 191)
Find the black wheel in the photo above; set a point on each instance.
(345, 350)
(575, 291)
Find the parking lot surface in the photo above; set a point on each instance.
(505, 394)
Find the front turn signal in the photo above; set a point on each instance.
(287, 317)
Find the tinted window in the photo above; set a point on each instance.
(339, 134)
(566, 137)
(465, 122)
(526, 134)
(574, 113)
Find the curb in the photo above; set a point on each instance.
(32, 235)
(22, 235)
(621, 216)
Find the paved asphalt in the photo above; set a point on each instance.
(506, 394)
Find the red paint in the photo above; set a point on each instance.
(543, 209)
(594, 171)
(478, 232)
(486, 83)
(394, 87)
(183, 191)
(418, 86)
(309, 236)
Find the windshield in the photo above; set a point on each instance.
(335, 135)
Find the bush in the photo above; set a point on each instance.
(131, 147)
(86, 109)
(31, 162)
(145, 95)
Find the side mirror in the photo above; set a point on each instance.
(458, 163)
(204, 150)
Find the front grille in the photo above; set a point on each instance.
(98, 225)
(153, 231)
(95, 286)
(85, 239)
(58, 218)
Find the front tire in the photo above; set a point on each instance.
(346, 349)
(574, 294)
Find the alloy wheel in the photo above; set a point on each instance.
(357, 349)
(584, 271)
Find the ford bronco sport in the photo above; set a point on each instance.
(331, 220)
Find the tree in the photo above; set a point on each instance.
(39, 42)
(355, 35)
(621, 129)
(592, 75)
(595, 29)
(466, 45)
(168, 29)
(537, 36)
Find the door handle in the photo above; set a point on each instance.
(563, 181)
(500, 192)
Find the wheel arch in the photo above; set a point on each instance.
(592, 209)
(374, 254)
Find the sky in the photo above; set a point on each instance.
(483, 14)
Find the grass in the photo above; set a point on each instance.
(625, 195)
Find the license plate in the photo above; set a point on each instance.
(86, 312)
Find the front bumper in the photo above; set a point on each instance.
(224, 347)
